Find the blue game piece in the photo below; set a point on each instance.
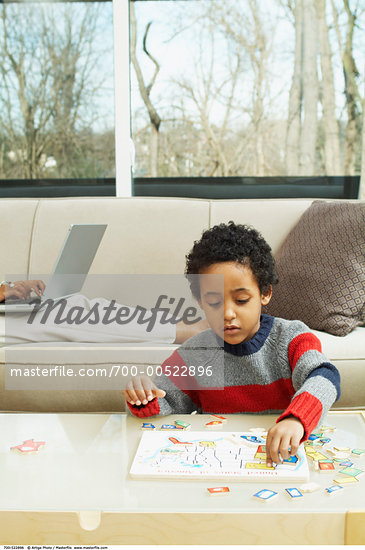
(294, 492)
(264, 495)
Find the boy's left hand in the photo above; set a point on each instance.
(286, 433)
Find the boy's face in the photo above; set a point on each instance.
(235, 315)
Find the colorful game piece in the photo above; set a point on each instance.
(219, 418)
(207, 444)
(148, 426)
(310, 487)
(314, 455)
(293, 492)
(358, 452)
(214, 424)
(333, 489)
(326, 466)
(322, 440)
(345, 463)
(29, 447)
(213, 491)
(345, 479)
(183, 425)
(177, 442)
(355, 472)
(175, 451)
(261, 452)
(290, 460)
(265, 495)
(342, 449)
(312, 437)
(327, 429)
(170, 427)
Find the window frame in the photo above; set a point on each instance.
(125, 185)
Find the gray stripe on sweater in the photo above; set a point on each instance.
(306, 363)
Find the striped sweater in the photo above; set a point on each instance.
(280, 370)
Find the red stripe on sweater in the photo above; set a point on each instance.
(232, 399)
(250, 398)
(308, 409)
(301, 344)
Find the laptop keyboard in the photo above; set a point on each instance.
(14, 301)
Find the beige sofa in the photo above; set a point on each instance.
(145, 235)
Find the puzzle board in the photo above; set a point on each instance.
(211, 455)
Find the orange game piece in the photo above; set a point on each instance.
(29, 447)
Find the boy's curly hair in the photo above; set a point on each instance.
(232, 243)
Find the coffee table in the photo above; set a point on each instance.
(77, 490)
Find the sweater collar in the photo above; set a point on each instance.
(256, 343)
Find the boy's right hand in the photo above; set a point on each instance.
(140, 390)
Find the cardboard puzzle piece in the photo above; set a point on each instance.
(29, 446)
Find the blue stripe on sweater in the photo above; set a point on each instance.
(257, 341)
(328, 371)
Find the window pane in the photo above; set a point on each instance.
(247, 88)
(56, 90)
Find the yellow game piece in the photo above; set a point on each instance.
(207, 444)
(258, 466)
(345, 479)
(317, 456)
(327, 429)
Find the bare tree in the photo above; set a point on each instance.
(353, 97)
(330, 125)
(237, 40)
(295, 96)
(144, 89)
(46, 68)
(308, 137)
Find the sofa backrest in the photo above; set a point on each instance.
(274, 218)
(144, 234)
(16, 229)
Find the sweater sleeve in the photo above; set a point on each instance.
(177, 400)
(315, 380)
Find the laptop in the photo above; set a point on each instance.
(71, 268)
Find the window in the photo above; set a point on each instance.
(56, 96)
(245, 91)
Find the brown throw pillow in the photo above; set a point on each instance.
(321, 269)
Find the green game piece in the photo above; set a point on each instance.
(351, 472)
(184, 425)
(358, 451)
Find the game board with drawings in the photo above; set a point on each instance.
(212, 455)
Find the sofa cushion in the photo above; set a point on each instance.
(16, 228)
(144, 235)
(321, 268)
(274, 218)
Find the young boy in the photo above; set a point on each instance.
(270, 364)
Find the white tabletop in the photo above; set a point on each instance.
(85, 466)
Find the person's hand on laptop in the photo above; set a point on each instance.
(21, 290)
